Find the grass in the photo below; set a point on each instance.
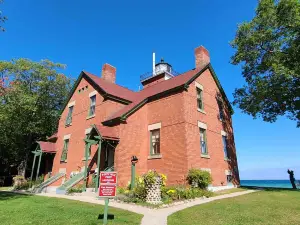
(28, 209)
(5, 188)
(267, 207)
(229, 191)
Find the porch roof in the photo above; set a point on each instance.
(107, 132)
(47, 147)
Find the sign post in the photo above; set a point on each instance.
(107, 189)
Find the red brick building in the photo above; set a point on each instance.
(176, 122)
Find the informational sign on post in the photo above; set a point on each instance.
(108, 178)
(107, 189)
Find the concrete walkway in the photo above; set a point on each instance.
(151, 216)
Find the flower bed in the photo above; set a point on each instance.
(151, 189)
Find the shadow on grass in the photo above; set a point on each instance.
(269, 188)
(109, 217)
(6, 195)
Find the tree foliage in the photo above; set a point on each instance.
(2, 19)
(31, 95)
(268, 47)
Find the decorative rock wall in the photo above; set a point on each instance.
(154, 192)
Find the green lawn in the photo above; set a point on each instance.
(27, 209)
(5, 188)
(273, 207)
(229, 191)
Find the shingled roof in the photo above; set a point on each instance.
(175, 83)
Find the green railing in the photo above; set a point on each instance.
(40, 187)
(70, 183)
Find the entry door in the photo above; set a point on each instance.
(109, 157)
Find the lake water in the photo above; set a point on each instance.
(267, 183)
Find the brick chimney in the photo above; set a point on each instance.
(109, 73)
(201, 56)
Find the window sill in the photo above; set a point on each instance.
(68, 125)
(227, 159)
(64, 161)
(90, 117)
(202, 111)
(205, 156)
(155, 156)
(84, 159)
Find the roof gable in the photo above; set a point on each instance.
(106, 89)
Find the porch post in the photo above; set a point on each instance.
(87, 147)
(98, 164)
(38, 169)
(33, 164)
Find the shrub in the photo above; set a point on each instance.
(76, 189)
(20, 183)
(199, 178)
(120, 190)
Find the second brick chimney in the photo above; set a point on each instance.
(109, 73)
(201, 56)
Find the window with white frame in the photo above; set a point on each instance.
(203, 141)
(155, 142)
(92, 105)
(64, 154)
(200, 104)
(69, 117)
(225, 146)
(221, 109)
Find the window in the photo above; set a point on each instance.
(69, 117)
(199, 99)
(64, 153)
(221, 110)
(225, 147)
(203, 141)
(93, 105)
(155, 142)
(229, 179)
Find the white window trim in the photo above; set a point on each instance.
(206, 169)
(71, 104)
(223, 133)
(199, 85)
(154, 126)
(68, 136)
(228, 172)
(87, 130)
(92, 93)
(202, 125)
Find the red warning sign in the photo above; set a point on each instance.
(107, 191)
(108, 177)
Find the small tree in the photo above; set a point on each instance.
(199, 178)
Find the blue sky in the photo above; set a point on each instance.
(86, 34)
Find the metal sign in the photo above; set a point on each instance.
(108, 178)
(108, 191)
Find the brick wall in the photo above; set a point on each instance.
(77, 128)
(179, 135)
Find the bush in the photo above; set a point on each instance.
(76, 189)
(199, 178)
(182, 192)
(20, 183)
